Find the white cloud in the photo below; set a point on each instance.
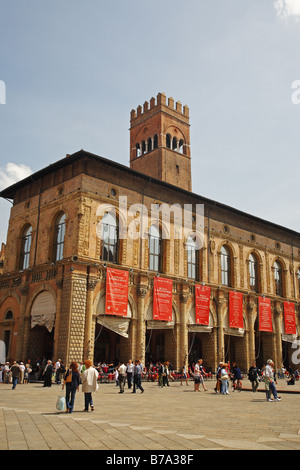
(12, 173)
(288, 8)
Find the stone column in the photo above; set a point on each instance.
(220, 303)
(140, 333)
(88, 348)
(184, 340)
(23, 330)
(251, 321)
(59, 284)
(278, 341)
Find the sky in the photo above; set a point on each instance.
(71, 72)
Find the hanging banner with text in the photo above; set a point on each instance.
(289, 318)
(162, 299)
(116, 292)
(265, 314)
(236, 310)
(202, 301)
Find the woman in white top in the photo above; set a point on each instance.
(89, 379)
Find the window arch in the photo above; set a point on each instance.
(192, 258)
(110, 238)
(168, 141)
(155, 248)
(9, 315)
(59, 237)
(225, 266)
(174, 144)
(253, 272)
(278, 278)
(25, 247)
(138, 150)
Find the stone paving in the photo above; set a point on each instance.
(173, 418)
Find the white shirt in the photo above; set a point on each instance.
(197, 370)
(122, 369)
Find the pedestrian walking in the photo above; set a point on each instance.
(122, 376)
(202, 374)
(15, 374)
(129, 373)
(71, 382)
(270, 380)
(137, 377)
(224, 379)
(160, 371)
(89, 379)
(197, 375)
(47, 374)
(184, 374)
(253, 376)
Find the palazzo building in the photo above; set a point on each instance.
(67, 228)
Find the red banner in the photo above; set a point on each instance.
(202, 301)
(162, 299)
(116, 292)
(236, 310)
(289, 318)
(265, 314)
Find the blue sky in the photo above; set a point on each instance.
(73, 71)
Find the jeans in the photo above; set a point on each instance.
(14, 382)
(137, 383)
(70, 397)
(254, 385)
(225, 386)
(129, 379)
(272, 389)
(88, 400)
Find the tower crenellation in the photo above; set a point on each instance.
(160, 140)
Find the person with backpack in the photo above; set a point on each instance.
(71, 381)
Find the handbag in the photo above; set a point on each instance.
(69, 377)
(224, 377)
(60, 403)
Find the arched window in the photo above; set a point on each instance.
(181, 146)
(9, 315)
(155, 141)
(143, 147)
(109, 237)
(168, 141)
(155, 249)
(174, 143)
(25, 248)
(278, 278)
(59, 238)
(225, 266)
(253, 272)
(192, 259)
(138, 150)
(149, 144)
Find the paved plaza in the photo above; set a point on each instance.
(173, 418)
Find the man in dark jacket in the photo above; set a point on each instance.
(15, 374)
(253, 376)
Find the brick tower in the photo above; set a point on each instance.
(160, 141)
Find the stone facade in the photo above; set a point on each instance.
(77, 186)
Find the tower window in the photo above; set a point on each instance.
(138, 150)
(181, 146)
(143, 147)
(168, 141)
(155, 141)
(174, 143)
(149, 142)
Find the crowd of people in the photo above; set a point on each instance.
(133, 372)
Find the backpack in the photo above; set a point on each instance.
(69, 376)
